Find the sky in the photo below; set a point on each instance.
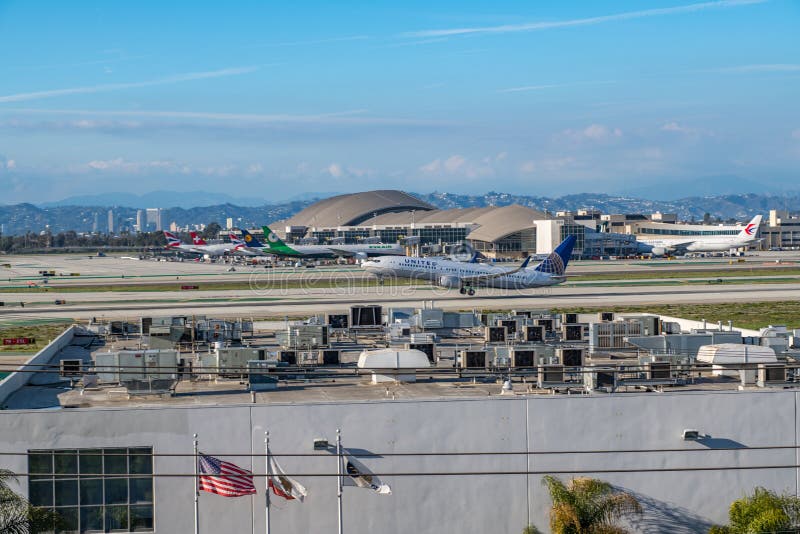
(274, 99)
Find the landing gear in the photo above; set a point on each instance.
(463, 290)
(471, 292)
(467, 291)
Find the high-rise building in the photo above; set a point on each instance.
(110, 221)
(154, 218)
(229, 223)
(140, 221)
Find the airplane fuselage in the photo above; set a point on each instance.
(450, 272)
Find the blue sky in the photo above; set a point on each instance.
(271, 99)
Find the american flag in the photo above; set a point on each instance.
(224, 478)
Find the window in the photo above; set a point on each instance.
(95, 490)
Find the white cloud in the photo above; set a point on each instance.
(335, 170)
(140, 168)
(527, 167)
(347, 117)
(254, 168)
(673, 127)
(765, 67)
(176, 78)
(594, 133)
(458, 165)
(11, 164)
(454, 163)
(537, 26)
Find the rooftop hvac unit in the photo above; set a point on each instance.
(338, 321)
(421, 337)
(571, 357)
(572, 332)
(288, 357)
(70, 368)
(144, 325)
(230, 361)
(427, 348)
(605, 316)
(599, 378)
(570, 318)
(523, 358)
(510, 324)
(658, 371)
(496, 334)
(329, 357)
(366, 316)
(533, 334)
(523, 313)
(548, 375)
(546, 323)
(771, 373)
(259, 377)
(308, 358)
(668, 327)
(431, 318)
(473, 359)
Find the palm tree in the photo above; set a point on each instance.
(763, 512)
(17, 516)
(588, 506)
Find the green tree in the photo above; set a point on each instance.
(212, 231)
(588, 506)
(763, 512)
(17, 516)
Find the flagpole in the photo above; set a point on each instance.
(196, 490)
(266, 482)
(339, 472)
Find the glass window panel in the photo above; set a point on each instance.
(40, 492)
(91, 462)
(141, 518)
(91, 518)
(66, 462)
(141, 461)
(141, 490)
(40, 462)
(68, 522)
(91, 491)
(116, 490)
(116, 461)
(116, 518)
(66, 492)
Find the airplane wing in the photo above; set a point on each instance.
(340, 252)
(491, 276)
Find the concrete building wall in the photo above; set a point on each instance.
(677, 501)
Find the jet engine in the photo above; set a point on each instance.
(360, 256)
(658, 251)
(450, 282)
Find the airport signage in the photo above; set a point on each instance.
(19, 341)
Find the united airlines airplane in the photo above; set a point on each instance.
(467, 276)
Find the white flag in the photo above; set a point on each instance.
(282, 485)
(357, 474)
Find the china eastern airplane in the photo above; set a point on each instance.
(274, 245)
(467, 276)
(711, 243)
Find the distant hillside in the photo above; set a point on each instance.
(19, 218)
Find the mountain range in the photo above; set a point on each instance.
(78, 216)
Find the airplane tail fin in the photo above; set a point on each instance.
(751, 230)
(275, 243)
(556, 262)
(250, 240)
(236, 241)
(196, 239)
(172, 239)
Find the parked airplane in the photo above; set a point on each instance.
(467, 276)
(711, 243)
(175, 243)
(200, 246)
(274, 245)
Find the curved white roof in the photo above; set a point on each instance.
(393, 359)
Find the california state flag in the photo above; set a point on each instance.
(282, 485)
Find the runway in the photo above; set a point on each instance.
(276, 303)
